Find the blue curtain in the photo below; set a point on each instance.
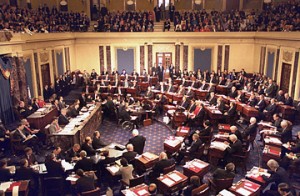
(125, 60)
(270, 64)
(28, 72)
(6, 108)
(60, 63)
(202, 59)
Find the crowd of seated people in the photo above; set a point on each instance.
(42, 20)
(274, 18)
(126, 22)
(95, 88)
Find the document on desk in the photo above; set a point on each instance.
(219, 145)
(175, 177)
(74, 179)
(5, 185)
(67, 165)
(243, 191)
(225, 192)
(168, 182)
(143, 192)
(199, 165)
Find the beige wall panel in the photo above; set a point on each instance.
(183, 5)
(50, 3)
(242, 56)
(116, 5)
(144, 5)
(87, 57)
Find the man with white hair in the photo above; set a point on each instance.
(286, 133)
(251, 129)
(234, 147)
(130, 154)
(137, 141)
(278, 175)
(234, 130)
(163, 163)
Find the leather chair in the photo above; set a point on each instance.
(134, 181)
(241, 160)
(169, 169)
(202, 190)
(95, 192)
(220, 184)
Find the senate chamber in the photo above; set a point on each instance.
(150, 97)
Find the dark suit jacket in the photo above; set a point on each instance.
(70, 154)
(213, 101)
(62, 120)
(195, 146)
(90, 151)
(231, 112)
(129, 155)
(82, 101)
(5, 175)
(222, 174)
(25, 173)
(277, 123)
(54, 168)
(85, 164)
(271, 90)
(84, 184)
(261, 105)
(251, 129)
(205, 132)
(286, 134)
(233, 94)
(98, 143)
(31, 159)
(277, 177)
(239, 135)
(288, 101)
(271, 108)
(160, 166)
(73, 112)
(185, 104)
(252, 102)
(138, 143)
(221, 107)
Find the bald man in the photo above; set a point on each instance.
(87, 146)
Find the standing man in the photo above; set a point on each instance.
(171, 11)
(160, 72)
(157, 13)
(137, 141)
(162, 11)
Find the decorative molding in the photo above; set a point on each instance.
(59, 52)
(26, 58)
(44, 57)
(287, 56)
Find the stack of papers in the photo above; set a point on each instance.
(198, 164)
(219, 145)
(143, 192)
(4, 186)
(225, 192)
(148, 155)
(243, 191)
(174, 177)
(172, 143)
(113, 169)
(168, 182)
(66, 165)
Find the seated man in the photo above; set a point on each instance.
(159, 166)
(73, 153)
(63, 119)
(30, 157)
(190, 151)
(278, 175)
(235, 147)
(87, 147)
(290, 152)
(252, 127)
(130, 154)
(54, 167)
(86, 164)
(97, 142)
(228, 172)
(54, 126)
(234, 130)
(84, 182)
(212, 98)
(271, 108)
(5, 174)
(26, 138)
(23, 110)
(194, 183)
(197, 115)
(40, 135)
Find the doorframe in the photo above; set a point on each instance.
(156, 59)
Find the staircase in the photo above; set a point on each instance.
(159, 26)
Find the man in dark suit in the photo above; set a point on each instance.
(87, 147)
(84, 183)
(130, 154)
(190, 151)
(137, 141)
(160, 72)
(27, 173)
(271, 108)
(149, 93)
(252, 128)
(204, 86)
(5, 174)
(97, 142)
(73, 153)
(85, 163)
(29, 156)
(277, 121)
(159, 166)
(234, 130)
(184, 103)
(196, 115)
(288, 100)
(54, 167)
(73, 111)
(235, 148)
(286, 133)
(228, 172)
(63, 119)
(270, 90)
(190, 93)
(252, 101)
(25, 137)
(231, 111)
(212, 99)
(233, 93)
(261, 103)
(82, 100)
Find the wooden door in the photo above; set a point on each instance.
(164, 59)
(285, 77)
(45, 69)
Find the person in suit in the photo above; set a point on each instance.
(220, 105)
(63, 119)
(227, 172)
(5, 174)
(252, 101)
(212, 99)
(61, 103)
(126, 170)
(204, 86)
(184, 103)
(29, 156)
(101, 165)
(252, 128)
(82, 99)
(27, 173)
(73, 110)
(270, 90)
(86, 164)
(231, 111)
(109, 107)
(54, 126)
(280, 97)
(73, 153)
(288, 100)
(54, 167)
(194, 183)
(160, 72)
(234, 130)
(190, 93)
(195, 145)
(286, 133)
(234, 147)
(84, 183)
(278, 175)
(23, 110)
(25, 137)
(241, 97)
(277, 121)
(181, 90)
(40, 135)
(137, 141)
(97, 142)
(149, 93)
(130, 154)
(159, 166)
(228, 83)
(261, 103)
(87, 147)
(197, 115)
(233, 93)
(207, 129)
(271, 108)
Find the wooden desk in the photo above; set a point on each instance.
(39, 121)
(272, 141)
(23, 188)
(200, 94)
(271, 152)
(196, 167)
(132, 91)
(222, 89)
(171, 182)
(249, 111)
(145, 161)
(183, 131)
(255, 175)
(173, 144)
(287, 111)
(66, 139)
(139, 190)
(225, 128)
(213, 114)
(245, 187)
(216, 152)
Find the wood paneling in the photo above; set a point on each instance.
(285, 76)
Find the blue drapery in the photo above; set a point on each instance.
(6, 109)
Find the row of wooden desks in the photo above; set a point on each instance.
(39, 120)
(15, 188)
